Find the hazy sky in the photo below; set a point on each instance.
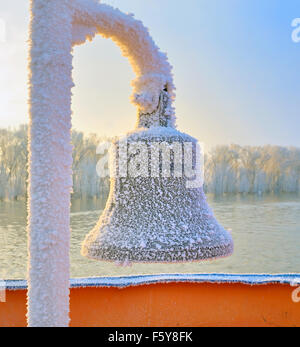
(237, 70)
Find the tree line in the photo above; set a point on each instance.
(228, 168)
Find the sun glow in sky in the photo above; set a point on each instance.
(236, 70)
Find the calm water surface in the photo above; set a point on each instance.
(266, 232)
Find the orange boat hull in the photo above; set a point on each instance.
(170, 305)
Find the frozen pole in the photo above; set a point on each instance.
(50, 161)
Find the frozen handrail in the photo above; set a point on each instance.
(151, 66)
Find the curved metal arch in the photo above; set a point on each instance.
(151, 66)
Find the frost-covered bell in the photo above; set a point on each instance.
(157, 210)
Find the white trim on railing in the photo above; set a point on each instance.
(127, 281)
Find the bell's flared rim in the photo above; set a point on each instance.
(135, 256)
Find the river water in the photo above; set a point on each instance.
(266, 232)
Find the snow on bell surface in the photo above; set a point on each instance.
(154, 214)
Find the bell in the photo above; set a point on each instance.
(156, 212)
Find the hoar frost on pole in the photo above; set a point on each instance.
(55, 27)
(50, 162)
